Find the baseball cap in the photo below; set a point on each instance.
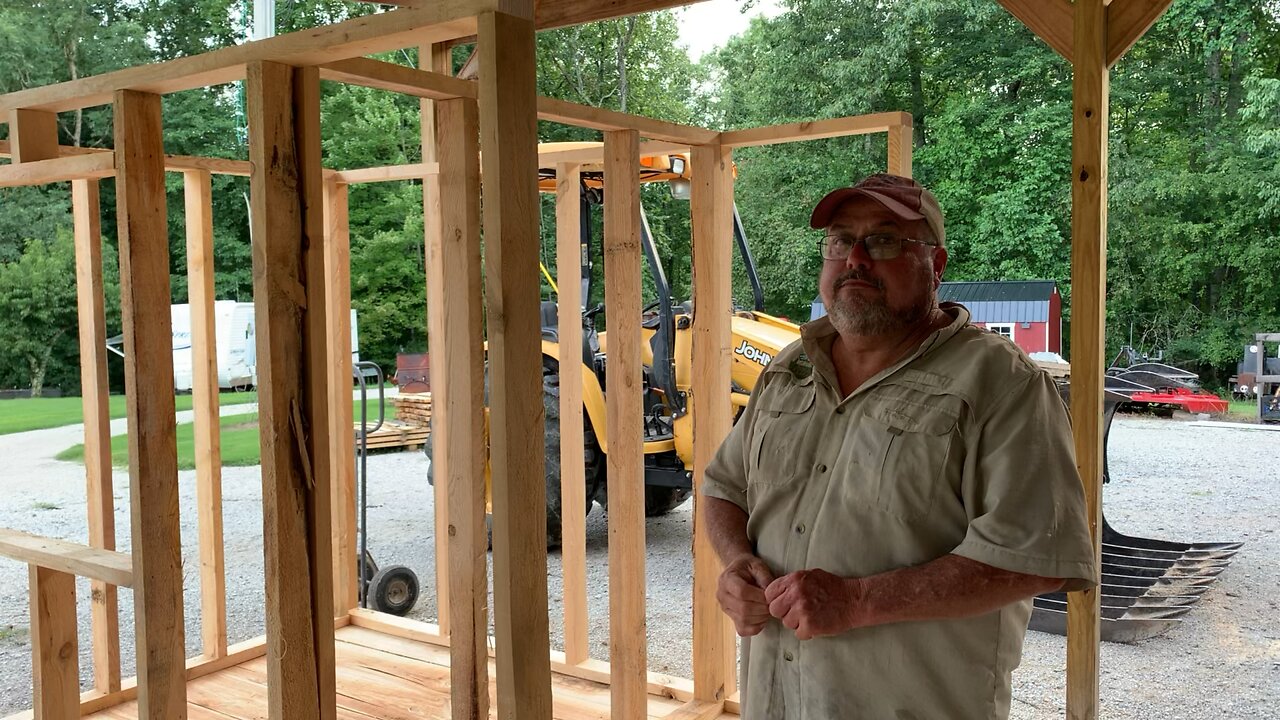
(904, 197)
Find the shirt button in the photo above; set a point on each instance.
(788, 656)
(800, 528)
(822, 468)
(840, 410)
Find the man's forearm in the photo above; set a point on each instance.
(727, 528)
(946, 588)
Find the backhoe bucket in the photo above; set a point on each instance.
(1147, 584)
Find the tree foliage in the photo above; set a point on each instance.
(1194, 155)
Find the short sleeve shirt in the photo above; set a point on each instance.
(962, 447)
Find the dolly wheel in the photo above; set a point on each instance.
(394, 590)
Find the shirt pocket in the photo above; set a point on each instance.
(916, 431)
(782, 422)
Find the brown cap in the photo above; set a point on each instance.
(903, 197)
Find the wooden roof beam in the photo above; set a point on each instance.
(815, 129)
(172, 163)
(1129, 20)
(1051, 20)
(434, 22)
(438, 86)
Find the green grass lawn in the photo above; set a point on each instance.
(22, 414)
(238, 440)
(1242, 409)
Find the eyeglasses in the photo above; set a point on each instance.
(879, 246)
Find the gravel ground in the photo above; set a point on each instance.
(1173, 481)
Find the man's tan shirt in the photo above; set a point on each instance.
(963, 447)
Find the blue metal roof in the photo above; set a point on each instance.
(1002, 301)
(991, 302)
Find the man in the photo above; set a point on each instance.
(900, 486)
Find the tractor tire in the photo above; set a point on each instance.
(551, 453)
(658, 500)
(662, 500)
(594, 460)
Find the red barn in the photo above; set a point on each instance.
(1029, 312)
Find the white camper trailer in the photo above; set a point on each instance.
(234, 337)
(236, 345)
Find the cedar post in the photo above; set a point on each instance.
(289, 302)
(1088, 327)
(148, 375)
(509, 139)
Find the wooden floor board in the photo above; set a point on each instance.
(380, 677)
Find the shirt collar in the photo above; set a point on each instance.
(816, 337)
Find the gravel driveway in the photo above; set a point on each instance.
(1173, 480)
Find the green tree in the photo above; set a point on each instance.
(38, 307)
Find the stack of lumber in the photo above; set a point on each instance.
(394, 433)
(413, 408)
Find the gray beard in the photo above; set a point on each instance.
(872, 316)
(866, 316)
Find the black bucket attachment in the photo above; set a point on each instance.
(1147, 584)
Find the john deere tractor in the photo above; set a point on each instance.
(667, 329)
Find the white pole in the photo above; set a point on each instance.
(264, 19)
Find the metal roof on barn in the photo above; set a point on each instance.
(1002, 301)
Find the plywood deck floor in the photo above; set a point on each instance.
(379, 676)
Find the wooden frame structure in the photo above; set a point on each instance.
(300, 283)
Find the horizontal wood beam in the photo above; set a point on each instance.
(75, 167)
(108, 566)
(433, 22)
(569, 113)
(1051, 20)
(438, 86)
(172, 163)
(386, 173)
(1128, 21)
(595, 155)
(563, 13)
(367, 72)
(815, 129)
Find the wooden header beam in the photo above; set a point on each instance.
(815, 130)
(387, 173)
(94, 563)
(437, 21)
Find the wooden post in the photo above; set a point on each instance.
(437, 58)
(1088, 327)
(627, 636)
(289, 302)
(573, 525)
(104, 613)
(341, 414)
(508, 131)
(458, 402)
(900, 142)
(714, 641)
(148, 375)
(33, 135)
(55, 660)
(144, 237)
(198, 190)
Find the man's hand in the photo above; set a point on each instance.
(741, 594)
(815, 603)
